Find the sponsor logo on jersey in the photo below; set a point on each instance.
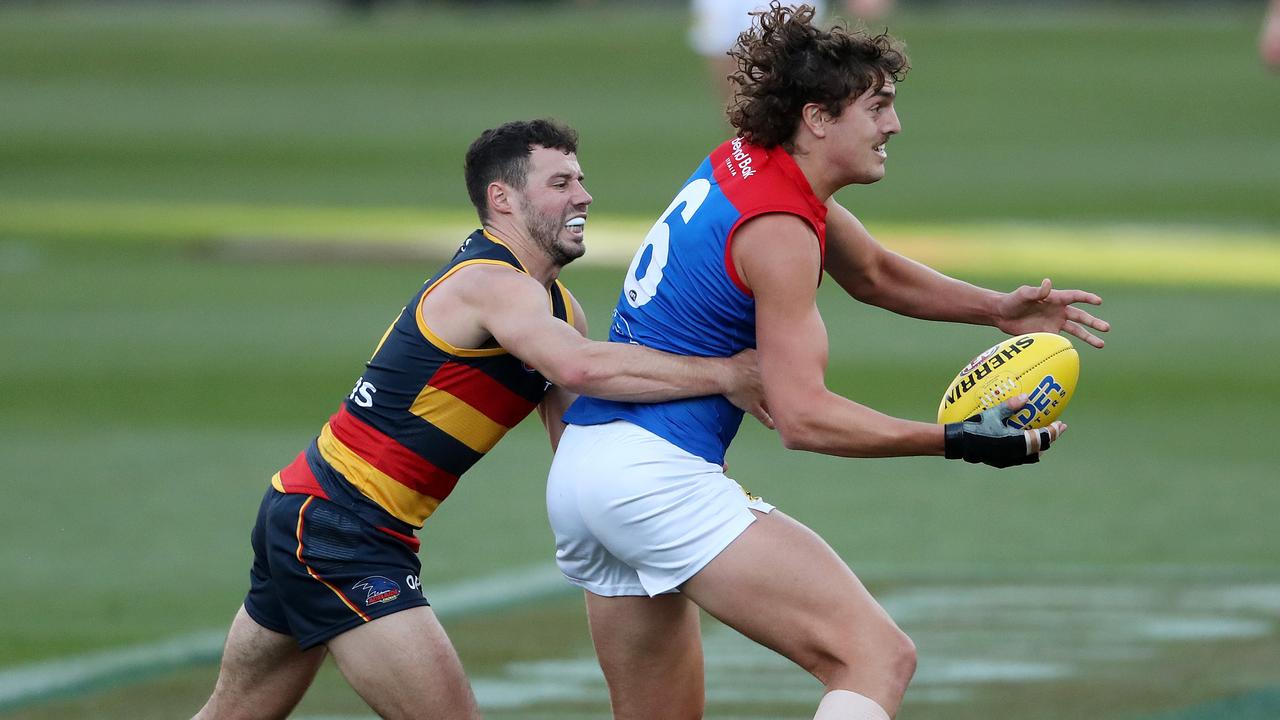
(742, 159)
(378, 589)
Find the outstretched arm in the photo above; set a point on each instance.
(875, 275)
(777, 256)
(778, 259)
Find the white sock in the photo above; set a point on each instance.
(849, 705)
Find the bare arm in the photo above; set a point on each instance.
(778, 256)
(872, 274)
(557, 400)
(512, 307)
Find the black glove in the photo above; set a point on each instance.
(984, 438)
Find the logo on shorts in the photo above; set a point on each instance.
(378, 589)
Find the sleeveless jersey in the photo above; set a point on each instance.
(682, 294)
(422, 414)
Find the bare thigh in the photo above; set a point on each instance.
(404, 666)
(781, 585)
(650, 650)
(263, 673)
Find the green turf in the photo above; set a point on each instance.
(153, 383)
(1109, 115)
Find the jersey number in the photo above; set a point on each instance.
(643, 277)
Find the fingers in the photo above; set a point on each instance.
(1032, 294)
(1067, 297)
(1046, 288)
(1083, 317)
(1039, 439)
(759, 412)
(1015, 403)
(1084, 335)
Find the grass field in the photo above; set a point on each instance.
(209, 214)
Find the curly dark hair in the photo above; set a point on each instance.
(502, 153)
(785, 62)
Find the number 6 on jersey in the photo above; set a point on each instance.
(646, 267)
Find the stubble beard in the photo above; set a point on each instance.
(545, 232)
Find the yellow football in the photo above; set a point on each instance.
(1043, 366)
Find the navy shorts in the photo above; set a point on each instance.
(320, 570)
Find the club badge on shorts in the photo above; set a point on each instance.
(378, 589)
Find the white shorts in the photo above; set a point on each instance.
(634, 514)
(717, 23)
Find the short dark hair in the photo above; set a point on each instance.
(502, 153)
(785, 62)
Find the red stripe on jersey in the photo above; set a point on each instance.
(298, 478)
(479, 390)
(395, 460)
(413, 542)
(731, 269)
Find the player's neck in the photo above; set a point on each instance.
(818, 172)
(532, 258)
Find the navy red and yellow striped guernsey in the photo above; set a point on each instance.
(422, 414)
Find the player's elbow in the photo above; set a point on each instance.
(799, 429)
(575, 372)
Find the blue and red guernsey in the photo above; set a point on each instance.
(422, 414)
(683, 295)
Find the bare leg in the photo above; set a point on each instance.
(651, 652)
(781, 585)
(263, 674)
(404, 666)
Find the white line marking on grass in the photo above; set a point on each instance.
(27, 684)
(969, 637)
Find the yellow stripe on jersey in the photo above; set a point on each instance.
(568, 304)
(455, 417)
(404, 503)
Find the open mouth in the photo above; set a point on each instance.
(576, 225)
(879, 150)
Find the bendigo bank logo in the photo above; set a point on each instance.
(378, 589)
(742, 159)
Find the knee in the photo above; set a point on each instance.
(885, 656)
(902, 658)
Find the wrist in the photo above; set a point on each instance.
(953, 441)
(994, 307)
(723, 377)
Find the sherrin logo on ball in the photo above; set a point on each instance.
(1044, 366)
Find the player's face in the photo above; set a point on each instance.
(861, 131)
(554, 204)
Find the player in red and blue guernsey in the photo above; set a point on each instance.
(646, 521)
(491, 337)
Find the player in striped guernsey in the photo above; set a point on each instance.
(488, 339)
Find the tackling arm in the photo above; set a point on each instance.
(557, 400)
(512, 307)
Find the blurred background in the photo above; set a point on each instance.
(209, 211)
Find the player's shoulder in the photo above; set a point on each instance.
(776, 244)
(778, 224)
